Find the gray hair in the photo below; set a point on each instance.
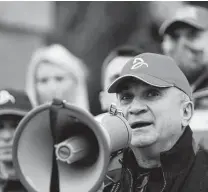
(184, 96)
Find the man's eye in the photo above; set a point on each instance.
(152, 93)
(124, 98)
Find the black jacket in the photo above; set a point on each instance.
(13, 186)
(184, 168)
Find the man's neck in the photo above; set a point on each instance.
(149, 157)
(145, 158)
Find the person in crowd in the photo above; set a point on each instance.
(156, 99)
(54, 72)
(185, 37)
(14, 105)
(111, 70)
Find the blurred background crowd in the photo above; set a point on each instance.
(89, 30)
(63, 50)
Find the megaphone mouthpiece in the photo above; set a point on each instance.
(72, 149)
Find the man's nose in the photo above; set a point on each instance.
(137, 107)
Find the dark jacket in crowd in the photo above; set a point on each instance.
(13, 186)
(184, 168)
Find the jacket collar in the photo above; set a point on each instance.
(181, 156)
(173, 162)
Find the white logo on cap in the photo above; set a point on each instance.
(138, 62)
(189, 12)
(5, 97)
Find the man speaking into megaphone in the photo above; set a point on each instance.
(156, 99)
(159, 153)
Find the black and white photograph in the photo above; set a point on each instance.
(103, 96)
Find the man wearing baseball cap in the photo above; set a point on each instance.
(185, 38)
(156, 99)
(14, 105)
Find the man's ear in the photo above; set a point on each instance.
(187, 113)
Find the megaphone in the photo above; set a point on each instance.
(61, 147)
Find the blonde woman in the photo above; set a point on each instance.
(54, 72)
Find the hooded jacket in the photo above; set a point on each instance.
(60, 56)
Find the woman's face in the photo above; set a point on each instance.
(53, 81)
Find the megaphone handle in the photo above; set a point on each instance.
(56, 105)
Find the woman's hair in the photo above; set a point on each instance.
(59, 55)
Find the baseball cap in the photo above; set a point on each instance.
(192, 15)
(14, 102)
(154, 69)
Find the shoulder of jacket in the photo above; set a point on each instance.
(114, 169)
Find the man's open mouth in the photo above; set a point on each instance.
(140, 124)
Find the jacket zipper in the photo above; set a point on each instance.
(164, 180)
(116, 186)
(131, 178)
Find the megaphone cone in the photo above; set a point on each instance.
(81, 145)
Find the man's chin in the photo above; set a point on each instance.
(144, 138)
(142, 143)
